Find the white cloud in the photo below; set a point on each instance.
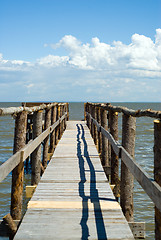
(90, 71)
(53, 61)
(142, 53)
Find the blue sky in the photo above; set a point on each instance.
(58, 50)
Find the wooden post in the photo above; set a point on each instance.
(127, 179)
(63, 122)
(18, 172)
(57, 128)
(52, 135)
(65, 119)
(157, 172)
(92, 124)
(28, 137)
(36, 155)
(113, 124)
(104, 154)
(85, 110)
(67, 111)
(90, 120)
(12, 227)
(46, 140)
(99, 133)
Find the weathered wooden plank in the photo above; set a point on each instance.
(9, 165)
(138, 229)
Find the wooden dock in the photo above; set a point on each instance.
(73, 199)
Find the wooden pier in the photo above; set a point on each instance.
(73, 199)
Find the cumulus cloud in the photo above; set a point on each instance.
(90, 71)
(142, 53)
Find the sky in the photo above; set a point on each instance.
(80, 50)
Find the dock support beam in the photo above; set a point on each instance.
(127, 179)
(18, 172)
(157, 173)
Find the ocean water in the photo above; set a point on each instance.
(143, 207)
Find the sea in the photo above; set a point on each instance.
(143, 206)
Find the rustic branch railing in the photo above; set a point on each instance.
(129, 168)
(56, 115)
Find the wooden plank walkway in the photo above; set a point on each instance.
(73, 199)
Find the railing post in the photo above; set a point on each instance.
(46, 140)
(63, 122)
(104, 153)
(85, 110)
(18, 172)
(92, 124)
(67, 111)
(57, 128)
(28, 136)
(36, 155)
(127, 179)
(52, 135)
(64, 118)
(157, 173)
(88, 119)
(99, 133)
(113, 124)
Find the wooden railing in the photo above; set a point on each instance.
(31, 130)
(105, 134)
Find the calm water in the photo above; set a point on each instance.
(144, 208)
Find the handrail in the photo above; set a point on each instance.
(115, 145)
(25, 152)
(150, 186)
(130, 112)
(15, 110)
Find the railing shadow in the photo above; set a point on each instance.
(93, 197)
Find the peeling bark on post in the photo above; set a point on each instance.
(36, 155)
(46, 140)
(157, 173)
(127, 179)
(113, 123)
(18, 172)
